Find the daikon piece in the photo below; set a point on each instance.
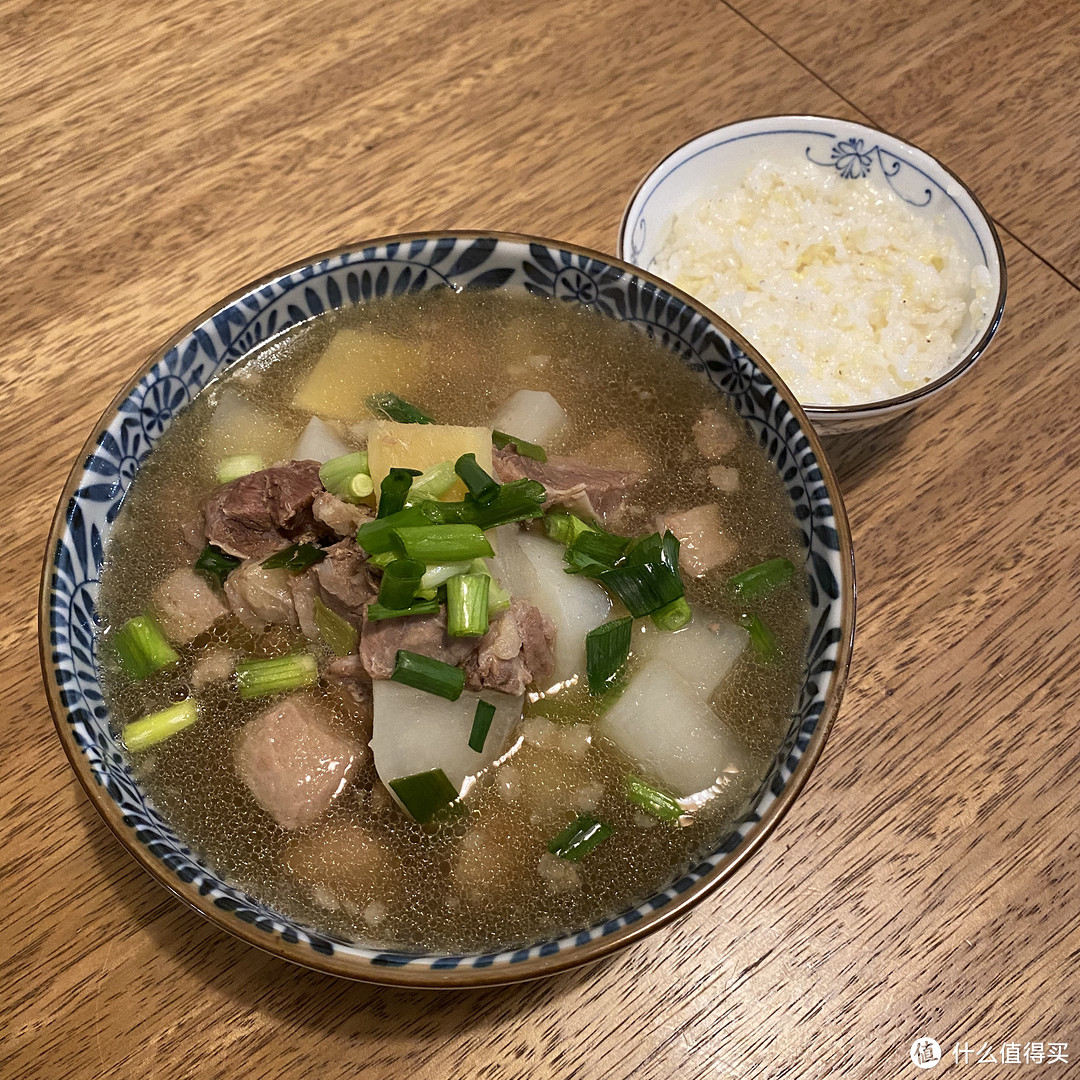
(319, 442)
(414, 731)
(664, 725)
(238, 427)
(699, 654)
(533, 415)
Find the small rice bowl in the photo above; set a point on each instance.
(849, 295)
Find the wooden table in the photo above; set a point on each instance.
(157, 156)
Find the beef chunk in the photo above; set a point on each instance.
(265, 511)
(517, 650)
(186, 606)
(260, 597)
(424, 634)
(348, 672)
(590, 491)
(715, 434)
(347, 580)
(343, 866)
(344, 518)
(292, 763)
(703, 543)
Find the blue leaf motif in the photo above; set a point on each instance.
(476, 254)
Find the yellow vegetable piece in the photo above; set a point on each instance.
(355, 365)
(419, 446)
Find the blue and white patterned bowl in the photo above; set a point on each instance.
(717, 161)
(143, 410)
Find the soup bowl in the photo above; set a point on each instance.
(144, 409)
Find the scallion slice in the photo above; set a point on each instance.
(388, 404)
(338, 634)
(564, 527)
(467, 605)
(142, 647)
(498, 598)
(655, 548)
(643, 587)
(296, 558)
(579, 838)
(525, 449)
(519, 500)
(428, 674)
(762, 639)
(481, 725)
(433, 544)
(157, 727)
(400, 581)
(432, 483)
(425, 794)
(340, 476)
(394, 490)
(215, 565)
(482, 487)
(441, 573)
(233, 467)
(655, 803)
(602, 547)
(673, 616)
(762, 579)
(377, 537)
(376, 612)
(606, 650)
(274, 675)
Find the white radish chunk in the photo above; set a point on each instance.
(319, 442)
(532, 415)
(238, 427)
(664, 725)
(700, 655)
(532, 568)
(414, 731)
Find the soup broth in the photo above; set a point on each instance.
(481, 877)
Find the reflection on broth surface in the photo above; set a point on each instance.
(333, 846)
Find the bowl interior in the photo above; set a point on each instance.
(143, 410)
(715, 163)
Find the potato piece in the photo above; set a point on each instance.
(419, 446)
(355, 365)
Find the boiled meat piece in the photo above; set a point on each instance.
(186, 606)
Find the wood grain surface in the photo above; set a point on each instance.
(154, 157)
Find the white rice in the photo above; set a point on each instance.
(847, 293)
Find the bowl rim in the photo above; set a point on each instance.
(417, 976)
(898, 402)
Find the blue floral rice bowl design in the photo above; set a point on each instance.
(716, 163)
(143, 410)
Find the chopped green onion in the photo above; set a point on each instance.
(376, 612)
(427, 673)
(338, 634)
(673, 616)
(425, 794)
(467, 605)
(383, 559)
(579, 838)
(260, 677)
(340, 476)
(433, 483)
(434, 544)
(142, 647)
(232, 468)
(431, 594)
(482, 488)
(215, 565)
(578, 562)
(762, 579)
(441, 573)
(525, 449)
(400, 581)
(394, 408)
(655, 548)
(603, 547)
(517, 501)
(498, 598)
(644, 587)
(295, 558)
(655, 803)
(762, 639)
(157, 727)
(481, 725)
(564, 527)
(377, 537)
(393, 491)
(606, 650)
